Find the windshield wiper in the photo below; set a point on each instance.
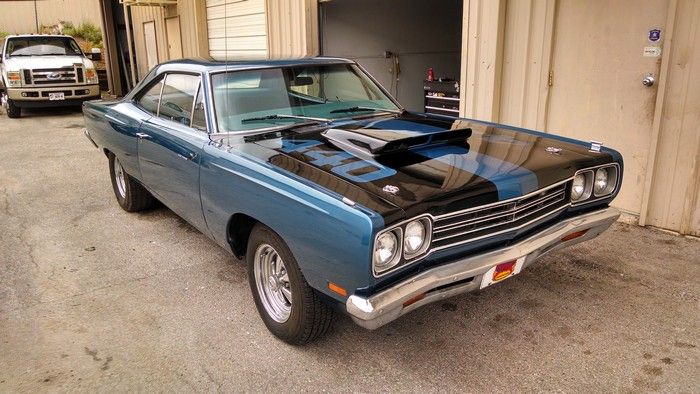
(284, 118)
(363, 109)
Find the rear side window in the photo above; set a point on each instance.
(149, 100)
(178, 98)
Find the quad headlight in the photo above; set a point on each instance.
(581, 186)
(596, 183)
(386, 251)
(605, 181)
(416, 237)
(401, 244)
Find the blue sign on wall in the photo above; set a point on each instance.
(654, 35)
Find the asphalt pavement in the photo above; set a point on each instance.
(93, 298)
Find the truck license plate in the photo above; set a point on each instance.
(502, 271)
(56, 96)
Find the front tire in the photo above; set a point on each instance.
(289, 307)
(13, 111)
(131, 196)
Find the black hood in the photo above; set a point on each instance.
(401, 166)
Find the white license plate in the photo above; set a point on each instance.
(56, 96)
(502, 271)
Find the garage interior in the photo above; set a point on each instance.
(396, 41)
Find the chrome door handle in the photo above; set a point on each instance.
(191, 156)
(143, 136)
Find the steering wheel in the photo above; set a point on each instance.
(174, 106)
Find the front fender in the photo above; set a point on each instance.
(330, 240)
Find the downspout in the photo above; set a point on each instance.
(127, 22)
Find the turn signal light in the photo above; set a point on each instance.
(413, 300)
(337, 289)
(573, 235)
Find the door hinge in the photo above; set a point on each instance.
(550, 79)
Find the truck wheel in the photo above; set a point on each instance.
(289, 307)
(13, 111)
(131, 196)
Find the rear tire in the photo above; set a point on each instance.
(289, 307)
(131, 196)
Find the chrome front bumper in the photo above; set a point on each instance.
(465, 275)
(40, 93)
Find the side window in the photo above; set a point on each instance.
(178, 96)
(199, 121)
(149, 100)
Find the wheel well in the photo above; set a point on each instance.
(238, 232)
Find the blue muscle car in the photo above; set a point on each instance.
(336, 196)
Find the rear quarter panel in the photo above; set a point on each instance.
(113, 127)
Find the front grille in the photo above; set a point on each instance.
(27, 76)
(54, 76)
(477, 223)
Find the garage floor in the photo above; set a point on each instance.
(92, 297)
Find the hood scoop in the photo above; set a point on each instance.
(375, 142)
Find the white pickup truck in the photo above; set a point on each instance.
(45, 71)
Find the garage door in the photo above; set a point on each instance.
(237, 29)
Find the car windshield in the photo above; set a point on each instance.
(264, 98)
(42, 46)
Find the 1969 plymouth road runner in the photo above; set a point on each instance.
(337, 197)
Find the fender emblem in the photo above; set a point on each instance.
(553, 150)
(391, 189)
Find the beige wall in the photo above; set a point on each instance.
(17, 17)
(674, 196)
(193, 24)
(508, 52)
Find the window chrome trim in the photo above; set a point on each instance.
(215, 120)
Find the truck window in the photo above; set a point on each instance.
(42, 46)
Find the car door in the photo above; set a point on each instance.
(170, 147)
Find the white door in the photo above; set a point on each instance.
(172, 30)
(602, 52)
(149, 35)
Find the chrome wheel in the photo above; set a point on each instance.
(120, 177)
(3, 100)
(272, 283)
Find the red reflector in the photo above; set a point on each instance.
(573, 235)
(413, 300)
(504, 270)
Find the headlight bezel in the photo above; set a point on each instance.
(404, 258)
(396, 258)
(591, 196)
(610, 186)
(427, 238)
(587, 186)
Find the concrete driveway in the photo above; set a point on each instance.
(96, 299)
